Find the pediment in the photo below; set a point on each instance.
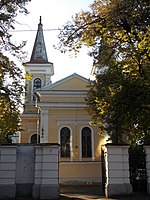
(72, 82)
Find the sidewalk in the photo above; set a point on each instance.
(137, 196)
(95, 193)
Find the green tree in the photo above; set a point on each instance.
(118, 32)
(11, 87)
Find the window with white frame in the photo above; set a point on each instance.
(65, 142)
(36, 85)
(86, 138)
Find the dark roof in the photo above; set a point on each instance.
(39, 54)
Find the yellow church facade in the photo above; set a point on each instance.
(58, 113)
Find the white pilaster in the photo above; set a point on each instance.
(44, 127)
(48, 79)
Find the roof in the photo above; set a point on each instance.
(39, 54)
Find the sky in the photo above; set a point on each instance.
(54, 13)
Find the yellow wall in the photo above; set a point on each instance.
(79, 173)
(74, 117)
(29, 127)
(71, 113)
(71, 84)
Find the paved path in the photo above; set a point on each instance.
(96, 197)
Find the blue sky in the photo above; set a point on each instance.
(54, 14)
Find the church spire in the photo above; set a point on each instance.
(40, 20)
(39, 54)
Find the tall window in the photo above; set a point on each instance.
(65, 142)
(36, 84)
(86, 142)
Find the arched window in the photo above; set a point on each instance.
(86, 142)
(36, 85)
(33, 139)
(65, 142)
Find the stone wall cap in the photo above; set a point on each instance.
(8, 144)
(27, 144)
(47, 144)
(112, 144)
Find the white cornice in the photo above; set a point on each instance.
(62, 92)
(62, 105)
(31, 115)
(74, 121)
(38, 64)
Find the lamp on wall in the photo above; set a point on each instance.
(42, 133)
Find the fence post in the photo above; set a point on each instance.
(147, 152)
(8, 155)
(117, 170)
(46, 172)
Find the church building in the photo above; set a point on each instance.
(57, 113)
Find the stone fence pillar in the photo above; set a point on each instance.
(117, 170)
(8, 156)
(147, 152)
(46, 185)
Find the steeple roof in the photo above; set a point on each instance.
(39, 54)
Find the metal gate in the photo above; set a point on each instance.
(25, 171)
(137, 164)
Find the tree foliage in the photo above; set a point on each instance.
(118, 32)
(11, 87)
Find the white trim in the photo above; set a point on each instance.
(37, 77)
(27, 115)
(32, 86)
(65, 93)
(29, 65)
(44, 125)
(71, 150)
(72, 121)
(62, 105)
(92, 142)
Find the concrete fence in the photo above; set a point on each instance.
(117, 170)
(29, 171)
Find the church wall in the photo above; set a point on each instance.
(65, 99)
(76, 169)
(75, 120)
(29, 127)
